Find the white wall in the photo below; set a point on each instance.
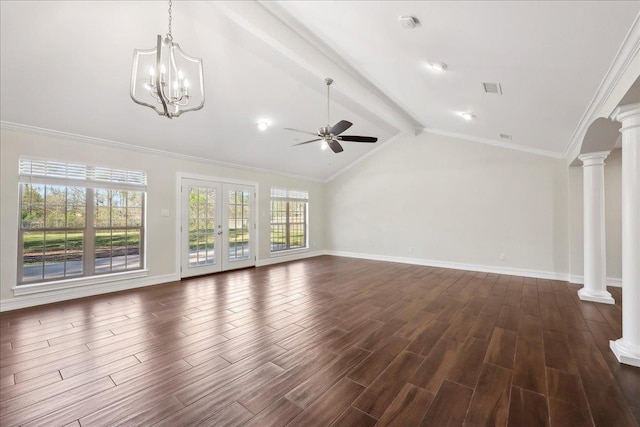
(162, 173)
(427, 199)
(613, 219)
(437, 200)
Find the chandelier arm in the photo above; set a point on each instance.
(159, 87)
(174, 65)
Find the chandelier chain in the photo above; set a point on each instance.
(169, 35)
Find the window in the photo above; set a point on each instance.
(78, 221)
(289, 219)
(118, 229)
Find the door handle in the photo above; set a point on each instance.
(219, 233)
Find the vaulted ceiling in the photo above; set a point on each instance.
(65, 67)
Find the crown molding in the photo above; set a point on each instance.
(496, 143)
(625, 55)
(121, 145)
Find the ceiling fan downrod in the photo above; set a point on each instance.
(328, 81)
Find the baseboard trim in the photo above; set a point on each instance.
(456, 265)
(537, 274)
(291, 257)
(48, 297)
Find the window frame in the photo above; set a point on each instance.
(36, 172)
(100, 228)
(288, 196)
(44, 230)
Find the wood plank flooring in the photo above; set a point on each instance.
(322, 341)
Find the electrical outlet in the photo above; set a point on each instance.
(503, 257)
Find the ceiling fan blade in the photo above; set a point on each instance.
(356, 138)
(305, 142)
(302, 131)
(340, 127)
(335, 146)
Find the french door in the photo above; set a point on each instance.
(217, 227)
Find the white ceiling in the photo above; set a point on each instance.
(65, 66)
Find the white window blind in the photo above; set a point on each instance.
(70, 174)
(283, 193)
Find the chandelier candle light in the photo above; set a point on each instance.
(159, 78)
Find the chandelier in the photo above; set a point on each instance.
(167, 79)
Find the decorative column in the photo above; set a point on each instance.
(595, 261)
(627, 348)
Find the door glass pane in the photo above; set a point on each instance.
(202, 202)
(238, 225)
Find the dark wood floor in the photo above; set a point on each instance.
(322, 341)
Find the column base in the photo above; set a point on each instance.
(596, 296)
(626, 353)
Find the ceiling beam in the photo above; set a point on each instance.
(257, 19)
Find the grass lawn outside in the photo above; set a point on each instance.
(54, 242)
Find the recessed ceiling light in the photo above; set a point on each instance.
(466, 116)
(409, 22)
(263, 125)
(437, 66)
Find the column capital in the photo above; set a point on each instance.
(593, 159)
(626, 112)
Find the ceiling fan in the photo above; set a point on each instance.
(331, 135)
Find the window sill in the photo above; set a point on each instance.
(79, 282)
(289, 252)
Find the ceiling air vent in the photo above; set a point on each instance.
(492, 88)
(505, 136)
